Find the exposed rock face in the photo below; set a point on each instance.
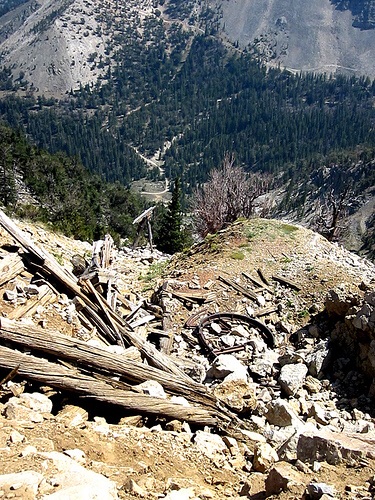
(308, 35)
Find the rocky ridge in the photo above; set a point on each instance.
(305, 403)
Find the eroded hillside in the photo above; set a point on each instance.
(311, 35)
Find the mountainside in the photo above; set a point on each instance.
(309, 35)
(159, 90)
(59, 45)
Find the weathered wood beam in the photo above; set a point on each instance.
(95, 358)
(10, 267)
(102, 389)
(286, 282)
(256, 282)
(238, 288)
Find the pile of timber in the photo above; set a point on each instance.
(69, 364)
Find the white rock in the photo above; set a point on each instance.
(264, 457)
(226, 364)
(10, 295)
(21, 413)
(132, 487)
(281, 413)
(215, 327)
(16, 437)
(36, 401)
(77, 483)
(77, 455)
(292, 377)
(28, 450)
(240, 331)
(261, 300)
(181, 494)
(152, 388)
(26, 482)
(209, 444)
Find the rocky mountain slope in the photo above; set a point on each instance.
(303, 409)
(311, 35)
(60, 45)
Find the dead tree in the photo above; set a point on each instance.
(331, 213)
(229, 194)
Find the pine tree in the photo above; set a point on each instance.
(171, 237)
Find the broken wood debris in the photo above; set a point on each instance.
(286, 282)
(88, 370)
(258, 283)
(10, 267)
(239, 288)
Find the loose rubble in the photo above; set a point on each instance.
(251, 382)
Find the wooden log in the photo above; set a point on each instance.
(95, 358)
(265, 311)
(286, 281)
(10, 267)
(63, 378)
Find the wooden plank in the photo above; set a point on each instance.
(286, 281)
(263, 277)
(69, 282)
(105, 390)
(45, 296)
(238, 288)
(10, 267)
(265, 311)
(256, 282)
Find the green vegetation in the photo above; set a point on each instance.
(288, 229)
(237, 255)
(162, 84)
(171, 236)
(154, 272)
(67, 195)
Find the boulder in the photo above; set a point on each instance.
(281, 413)
(21, 485)
(292, 377)
(226, 364)
(264, 457)
(318, 358)
(35, 401)
(76, 482)
(339, 301)
(237, 394)
(317, 490)
(210, 445)
(280, 477)
(334, 447)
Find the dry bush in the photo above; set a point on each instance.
(229, 194)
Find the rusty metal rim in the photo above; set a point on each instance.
(242, 318)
